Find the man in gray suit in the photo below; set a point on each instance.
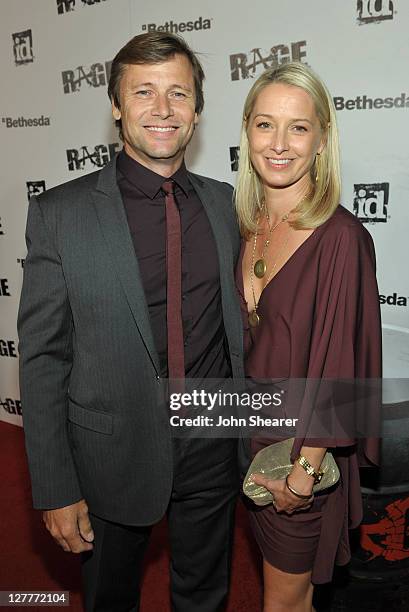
(95, 322)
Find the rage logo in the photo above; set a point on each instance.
(4, 287)
(245, 65)
(97, 75)
(8, 348)
(66, 6)
(96, 158)
(12, 406)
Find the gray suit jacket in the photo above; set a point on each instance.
(95, 421)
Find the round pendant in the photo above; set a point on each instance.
(254, 319)
(260, 268)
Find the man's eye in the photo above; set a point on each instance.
(179, 94)
(142, 92)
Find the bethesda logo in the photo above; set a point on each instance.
(23, 122)
(183, 26)
(393, 300)
(364, 102)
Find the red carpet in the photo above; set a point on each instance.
(31, 561)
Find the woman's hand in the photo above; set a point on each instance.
(284, 500)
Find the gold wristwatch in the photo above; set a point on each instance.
(306, 465)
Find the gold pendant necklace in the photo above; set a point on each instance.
(254, 317)
(260, 266)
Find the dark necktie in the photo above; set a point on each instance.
(176, 356)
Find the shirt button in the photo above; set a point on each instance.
(183, 297)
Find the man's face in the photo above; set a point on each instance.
(157, 110)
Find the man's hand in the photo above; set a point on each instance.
(70, 527)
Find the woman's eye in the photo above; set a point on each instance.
(263, 124)
(300, 128)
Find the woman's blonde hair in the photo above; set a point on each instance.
(325, 172)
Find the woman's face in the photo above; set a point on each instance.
(284, 136)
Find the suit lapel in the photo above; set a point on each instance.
(223, 239)
(220, 232)
(114, 224)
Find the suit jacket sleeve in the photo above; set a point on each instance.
(45, 332)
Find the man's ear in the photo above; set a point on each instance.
(116, 113)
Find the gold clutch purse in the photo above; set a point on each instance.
(274, 462)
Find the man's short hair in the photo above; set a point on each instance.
(154, 48)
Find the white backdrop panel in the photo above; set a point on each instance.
(62, 80)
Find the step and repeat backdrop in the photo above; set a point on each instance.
(55, 121)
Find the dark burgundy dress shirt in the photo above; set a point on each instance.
(203, 329)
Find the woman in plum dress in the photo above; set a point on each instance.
(306, 278)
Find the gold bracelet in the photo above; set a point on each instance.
(294, 492)
(306, 465)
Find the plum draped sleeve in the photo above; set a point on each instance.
(320, 319)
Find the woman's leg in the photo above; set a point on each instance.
(285, 592)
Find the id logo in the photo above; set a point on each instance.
(374, 11)
(97, 157)
(371, 202)
(34, 188)
(244, 66)
(23, 47)
(234, 158)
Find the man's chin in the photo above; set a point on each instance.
(163, 154)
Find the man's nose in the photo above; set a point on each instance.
(162, 106)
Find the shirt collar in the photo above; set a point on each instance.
(146, 180)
